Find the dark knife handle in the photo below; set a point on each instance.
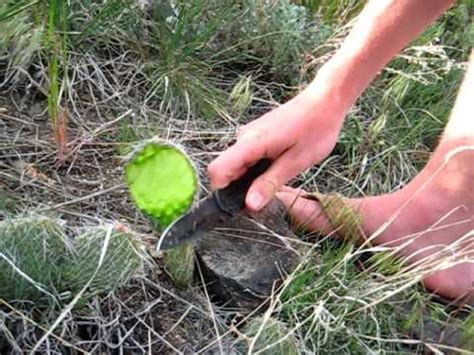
(231, 199)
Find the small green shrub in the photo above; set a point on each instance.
(334, 11)
(277, 34)
(21, 40)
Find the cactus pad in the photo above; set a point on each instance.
(162, 181)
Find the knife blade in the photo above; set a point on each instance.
(222, 205)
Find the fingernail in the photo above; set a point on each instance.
(255, 201)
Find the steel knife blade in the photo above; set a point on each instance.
(213, 210)
(206, 216)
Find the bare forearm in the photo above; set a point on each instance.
(384, 27)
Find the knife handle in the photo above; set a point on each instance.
(231, 199)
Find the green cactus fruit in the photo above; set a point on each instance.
(162, 181)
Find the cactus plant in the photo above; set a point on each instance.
(32, 250)
(179, 263)
(39, 262)
(121, 260)
(163, 183)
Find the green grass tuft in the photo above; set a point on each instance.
(269, 336)
(468, 332)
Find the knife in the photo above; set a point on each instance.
(222, 205)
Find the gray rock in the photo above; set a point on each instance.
(245, 258)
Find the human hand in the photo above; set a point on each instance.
(295, 136)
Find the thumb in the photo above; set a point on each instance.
(266, 185)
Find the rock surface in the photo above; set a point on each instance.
(247, 256)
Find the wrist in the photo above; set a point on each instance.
(339, 82)
(328, 97)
